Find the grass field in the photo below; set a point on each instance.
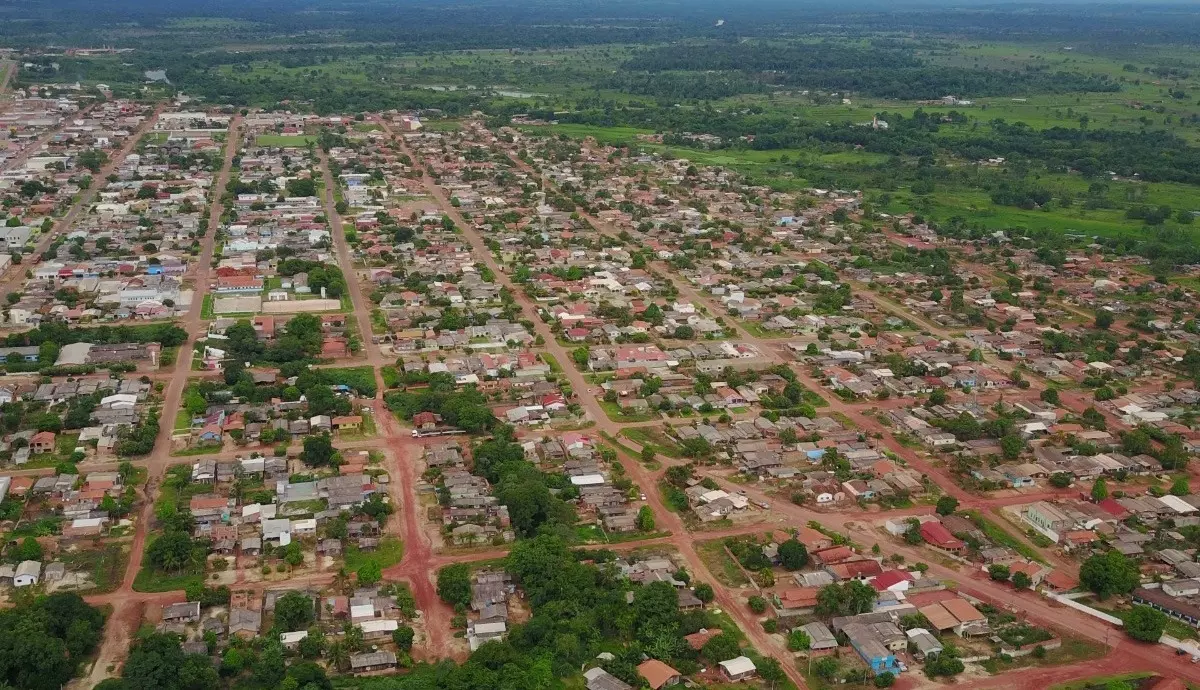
(389, 553)
(653, 437)
(1002, 537)
(721, 564)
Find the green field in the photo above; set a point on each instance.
(389, 553)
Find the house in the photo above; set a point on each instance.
(1179, 609)
(738, 669)
(870, 648)
(892, 581)
(347, 423)
(820, 637)
(185, 612)
(657, 674)
(291, 640)
(244, 623)
(27, 573)
(812, 539)
(480, 633)
(42, 442)
(373, 661)
(957, 615)
(1049, 519)
(925, 644)
(936, 534)
(599, 679)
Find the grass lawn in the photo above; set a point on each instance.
(293, 141)
(595, 534)
(614, 412)
(1099, 682)
(389, 553)
(206, 449)
(367, 430)
(206, 307)
(653, 437)
(1073, 650)
(552, 363)
(1002, 537)
(150, 580)
(183, 420)
(621, 447)
(721, 564)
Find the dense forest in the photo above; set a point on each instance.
(446, 24)
(715, 69)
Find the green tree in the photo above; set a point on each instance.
(1060, 480)
(294, 611)
(797, 640)
(645, 519)
(454, 584)
(170, 551)
(1099, 489)
(28, 549)
(998, 571)
(946, 505)
(1180, 487)
(1104, 319)
(720, 648)
(757, 604)
(403, 637)
(704, 592)
(1145, 624)
(1021, 581)
(1011, 446)
(792, 554)
(938, 397)
(1109, 573)
(318, 450)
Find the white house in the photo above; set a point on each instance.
(27, 573)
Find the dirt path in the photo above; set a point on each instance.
(128, 605)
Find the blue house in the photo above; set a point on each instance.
(1015, 475)
(871, 649)
(27, 354)
(811, 451)
(154, 270)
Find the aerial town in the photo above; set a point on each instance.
(351, 394)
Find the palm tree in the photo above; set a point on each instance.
(339, 655)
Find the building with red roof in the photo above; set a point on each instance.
(936, 534)
(892, 581)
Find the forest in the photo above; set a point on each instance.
(889, 69)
